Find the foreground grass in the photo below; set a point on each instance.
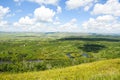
(100, 70)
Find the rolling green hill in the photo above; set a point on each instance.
(99, 70)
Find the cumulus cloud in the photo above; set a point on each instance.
(74, 4)
(102, 24)
(111, 7)
(107, 20)
(45, 19)
(3, 11)
(40, 21)
(41, 14)
(44, 14)
(28, 24)
(24, 21)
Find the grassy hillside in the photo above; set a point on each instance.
(100, 70)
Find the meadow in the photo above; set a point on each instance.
(24, 54)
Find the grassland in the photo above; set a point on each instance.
(45, 56)
(99, 70)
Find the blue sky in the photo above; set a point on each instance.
(98, 16)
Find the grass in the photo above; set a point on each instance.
(99, 70)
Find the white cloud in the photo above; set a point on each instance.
(70, 26)
(44, 14)
(51, 2)
(3, 11)
(35, 27)
(87, 7)
(74, 4)
(108, 19)
(56, 21)
(24, 21)
(40, 21)
(3, 23)
(102, 24)
(111, 7)
(59, 9)
(28, 24)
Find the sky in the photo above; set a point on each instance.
(89, 16)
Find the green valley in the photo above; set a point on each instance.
(44, 52)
